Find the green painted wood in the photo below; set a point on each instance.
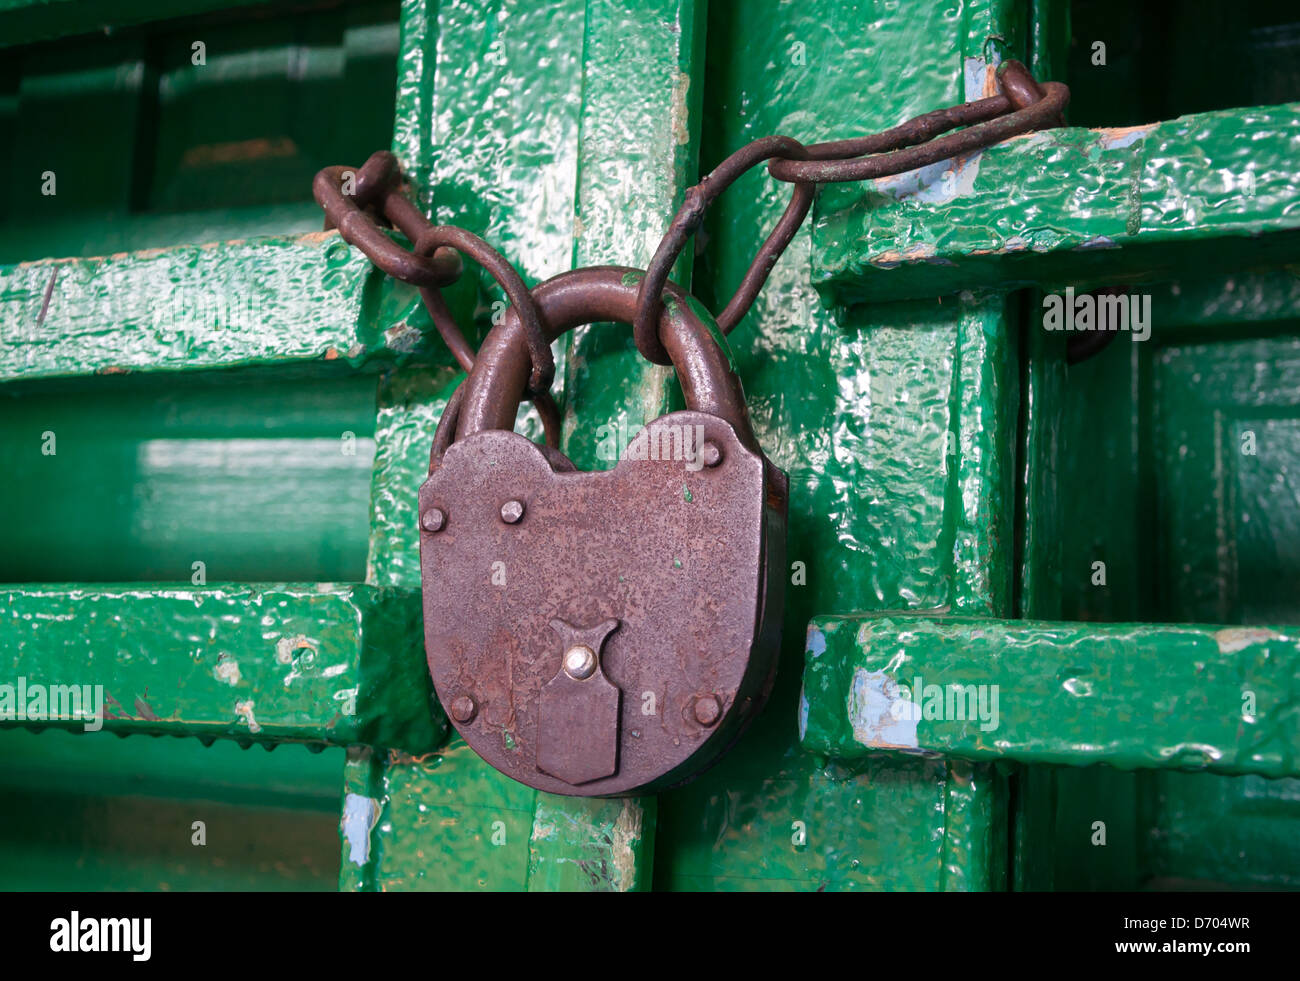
(1129, 695)
(1190, 528)
(1068, 205)
(24, 21)
(555, 144)
(272, 301)
(644, 64)
(449, 806)
(95, 812)
(323, 664)
(122, 143)
(630, 184)
(275, 775)
(887, 511)
(441, 821)
(258, 476)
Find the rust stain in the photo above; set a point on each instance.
(398, 758)
(240, 151)
(143, 710)
(313, 238)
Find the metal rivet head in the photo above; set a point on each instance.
(579, 662)
(707, 710)
(463, 708)
(433, 520)
(711, 454)
(512, 511)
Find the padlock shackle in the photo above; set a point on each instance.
(598, 294)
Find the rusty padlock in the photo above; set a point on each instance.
(607, 632)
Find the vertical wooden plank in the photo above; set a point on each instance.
(575, 150)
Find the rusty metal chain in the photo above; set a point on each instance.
(1021, 106)
(432, 262)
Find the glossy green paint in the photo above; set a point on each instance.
(444, 821)
(887, 511)
(260, 473)
(324, 664)
(1083, 206)
(1190, 528)
(647, 67)
(185, 152)
(133, 477)
(270, 301)
(557, 144)
(566, 153)
(22, 21)
(1129, 695)
(93, 812)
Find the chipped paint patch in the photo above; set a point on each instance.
(980, 75)
(937, 183)
(803, 714)
(245, 712)
(144, 711)
(678, 112)
(816, 642)
(892, 258)
(227, 671)
(316, 238)
(1119, 137)
(402, 338)
(360, 815)
(299, 651)
(872, 712)
(1233, 639)
(286, 646)
(627, 832)
(1096, 242)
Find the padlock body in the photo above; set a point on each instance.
(666, 568)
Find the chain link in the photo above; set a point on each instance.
(378, 195)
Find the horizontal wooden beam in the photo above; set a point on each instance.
(269, 301)
(317, 663)
(1135, 696)
(1215, 190)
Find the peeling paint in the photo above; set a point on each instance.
(299, 651)
(360, 815)
(872, 712)
(921, 252)
(979, 75)
(228, 671)
(937, 183)
(402, 338)
(245, 712)
(1233, 639)
(1119, 137)
(627, 834)
(678, 112)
